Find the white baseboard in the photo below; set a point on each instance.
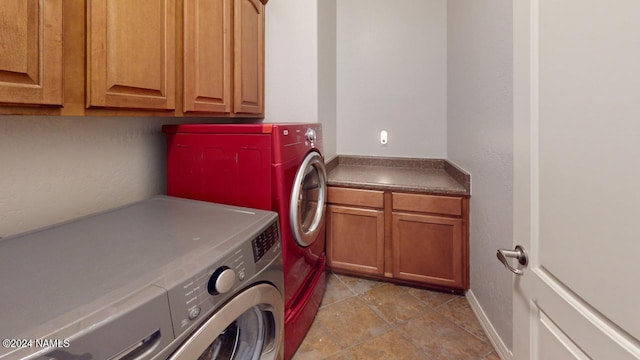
(496, 341)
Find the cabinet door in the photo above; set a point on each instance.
(207, 55)
(249, 57)
(355, 239)
(131, 54)
(31, 52)
(428, 249)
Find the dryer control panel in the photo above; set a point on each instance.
(194, 300)
(265, 241)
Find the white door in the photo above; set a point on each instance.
(577, 179)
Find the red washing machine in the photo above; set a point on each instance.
(276, 167)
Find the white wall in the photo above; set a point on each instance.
(57, 168)
(327, 97)
(300, 75)
(480, 139)
(392, 74)
(291, 61)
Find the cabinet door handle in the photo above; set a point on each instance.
(518, 253)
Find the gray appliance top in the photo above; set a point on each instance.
(80, 266)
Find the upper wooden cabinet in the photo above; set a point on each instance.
(208, 56)
(249, 57)
(31, 52)
(144, 57)
(224, 56)
(131, 54)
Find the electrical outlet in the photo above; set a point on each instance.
(384, 137)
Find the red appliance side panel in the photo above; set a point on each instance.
(183, 172)
(218, 128)
(253, 174)
(215, 165)
(232, 169)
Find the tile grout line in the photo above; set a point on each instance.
(328, 333)
(391, 326)
(394, 326)
(421, 313)
(409, 340)
(343, 350)
(485, 340)
(345, 285)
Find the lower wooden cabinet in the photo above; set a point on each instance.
(355, 239)
(414, 238)
(428, 249)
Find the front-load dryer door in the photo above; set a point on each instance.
(249, 327)
(308, 198)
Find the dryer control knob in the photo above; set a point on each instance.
(311, 135)
(221, 281)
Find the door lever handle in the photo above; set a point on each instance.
(518, 253)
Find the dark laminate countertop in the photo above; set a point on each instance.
(433, 176)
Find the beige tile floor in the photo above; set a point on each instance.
(365, 319)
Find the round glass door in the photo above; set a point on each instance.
(255, 334)
(243, 339)
(308, 199)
